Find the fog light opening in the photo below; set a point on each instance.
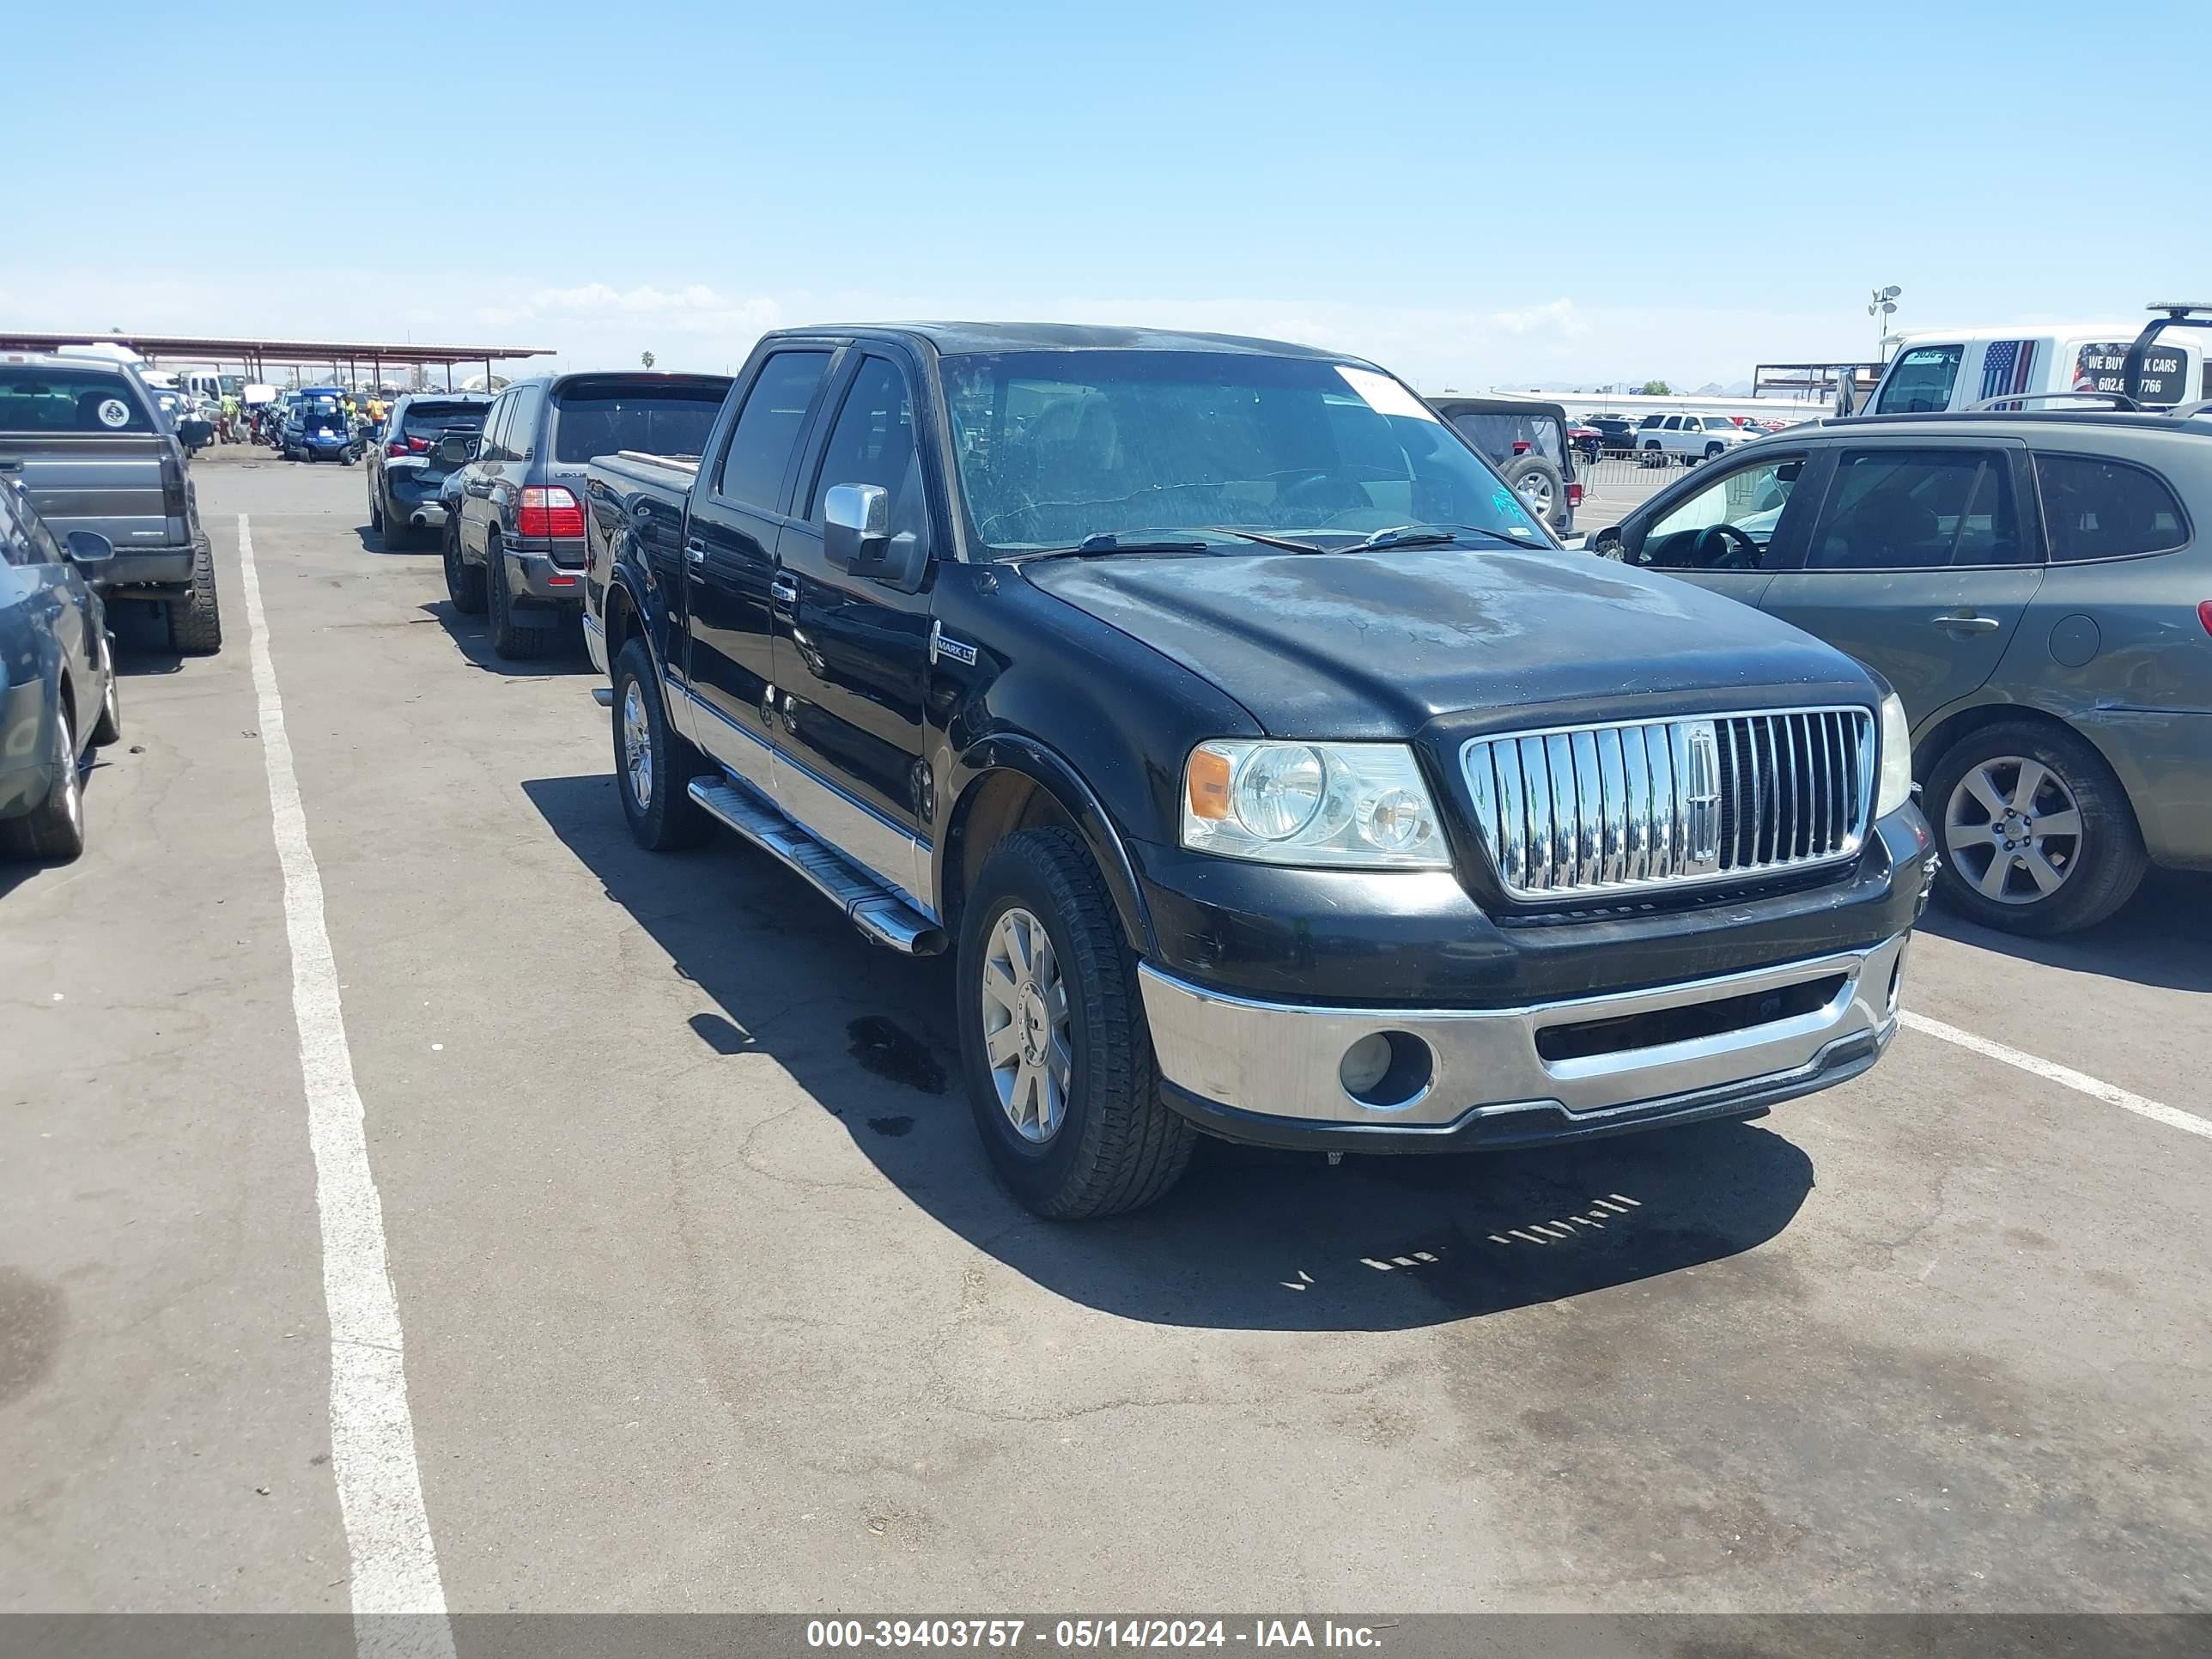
(1385, 1070)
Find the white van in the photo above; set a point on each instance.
(1934, 370)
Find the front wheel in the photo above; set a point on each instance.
(2037, 832)
(1058, 1058)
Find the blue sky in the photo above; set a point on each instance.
(1474, 194)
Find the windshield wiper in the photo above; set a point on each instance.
(1439, 535)
(1091, 546)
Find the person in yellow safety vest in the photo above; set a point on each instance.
(376, 411)
(230, 432)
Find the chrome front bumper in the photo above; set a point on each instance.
(1269, 1071)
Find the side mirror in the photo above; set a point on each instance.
(856, 538)
(1606, 543)
(89, 547)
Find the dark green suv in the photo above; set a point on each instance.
(2037, 585)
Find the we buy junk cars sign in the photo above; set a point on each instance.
(2104, 368)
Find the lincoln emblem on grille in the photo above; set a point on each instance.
(1702, 799)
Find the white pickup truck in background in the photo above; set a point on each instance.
(1693, 438)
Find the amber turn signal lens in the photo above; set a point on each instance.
(1208, 782)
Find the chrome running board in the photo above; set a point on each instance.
(877, 911)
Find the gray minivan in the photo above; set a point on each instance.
(2036, 587)
(515, 548)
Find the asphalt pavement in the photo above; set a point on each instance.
(709, 1300)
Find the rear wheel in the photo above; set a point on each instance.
(509, 638)
(1652, 456)
(654, 767)
(108, 727)
(464, 582)
(195, 620)
(2037, 835)
(1058, 1060)
(53, 830)
(1713, 452)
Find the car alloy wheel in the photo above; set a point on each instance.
(637, 746)
(1026, 1034)
(2014, 829)
(1536, 490)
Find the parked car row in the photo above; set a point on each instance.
(96, 508)
(1263, 762)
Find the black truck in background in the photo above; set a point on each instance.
(1266, 766)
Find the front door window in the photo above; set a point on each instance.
(1728, 523)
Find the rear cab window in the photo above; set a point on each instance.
(1920, 381)
(599, 420)
(37, 399)
(2094, 508)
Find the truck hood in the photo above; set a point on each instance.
(1381, 645)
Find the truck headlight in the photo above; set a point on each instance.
(1896, 787)
(1349, 805)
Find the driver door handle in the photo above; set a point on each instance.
(783, 592)
(695, 552)
(1968, 623)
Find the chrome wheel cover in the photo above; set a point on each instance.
(637, 745)
(1026, 1034)
(1536, 490)
(2013, 831)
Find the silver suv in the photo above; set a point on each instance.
(2037, 585)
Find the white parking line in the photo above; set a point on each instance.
(2173, 1116)
(394, 1562)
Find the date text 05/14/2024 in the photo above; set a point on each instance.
(1085, 1634)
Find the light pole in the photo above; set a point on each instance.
(1882, 307)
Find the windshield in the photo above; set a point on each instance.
(1057, 446)
(321, 409)
(659, 423)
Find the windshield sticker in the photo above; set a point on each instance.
(1508, 504)
(113, 411)
(1384, 395)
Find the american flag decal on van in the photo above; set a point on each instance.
(2008, 367)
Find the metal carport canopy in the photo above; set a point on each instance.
(246, 349)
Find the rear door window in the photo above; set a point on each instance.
(2096, 508)
(519, 436)
(1921, 380)
(1916, 509)
(662, 421)
(768, 430)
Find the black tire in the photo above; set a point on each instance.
(509, 640)
(1118, 1145)
(196, 620)
(53, 830)
(392, 534)
(668, 817)
(1713, 450)
(107, 725)
(464, 582)
(2108, 860)
(1654, 456)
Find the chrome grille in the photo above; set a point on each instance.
(1590, 810)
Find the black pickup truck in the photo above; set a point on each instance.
(1269, 769)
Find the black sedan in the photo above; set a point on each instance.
(57, 697)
